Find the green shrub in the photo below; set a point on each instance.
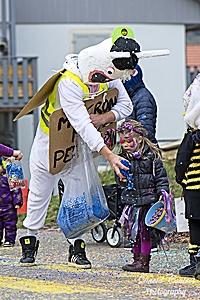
(106, 177)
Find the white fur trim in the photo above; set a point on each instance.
(193, 117)
(193, 92)
(71, 64)
(192, 103)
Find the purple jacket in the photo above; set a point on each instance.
(8, 199)
(5, 151)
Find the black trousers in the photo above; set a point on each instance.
(194, 227)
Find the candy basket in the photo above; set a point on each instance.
(156, 217)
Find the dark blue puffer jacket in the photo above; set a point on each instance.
(149, 178)
(144, 104)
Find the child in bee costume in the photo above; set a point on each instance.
(94, 70)
(188, 175)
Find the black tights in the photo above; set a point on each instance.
(194, 226)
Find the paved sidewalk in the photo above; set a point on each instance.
(52, 279)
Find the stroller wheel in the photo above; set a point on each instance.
(114, 237)
(99, 233)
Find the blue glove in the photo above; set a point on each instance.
(127, 174)
(127, 164)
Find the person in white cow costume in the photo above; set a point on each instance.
(91, 72)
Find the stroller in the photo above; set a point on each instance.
(113, 235)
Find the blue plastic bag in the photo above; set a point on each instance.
(83, 204)
(14, 174)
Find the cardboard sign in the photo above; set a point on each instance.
(41, 96)
(62, 134)
(181, 221)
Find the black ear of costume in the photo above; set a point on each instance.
(125, 45)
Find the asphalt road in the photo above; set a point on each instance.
(52, 279)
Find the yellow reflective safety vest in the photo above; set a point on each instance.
(49, 106)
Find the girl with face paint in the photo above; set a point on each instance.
(144, 181)
(130, 143)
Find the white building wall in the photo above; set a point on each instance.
(164, 76)
(25, 140)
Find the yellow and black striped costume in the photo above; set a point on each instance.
(192, 180)
(192, 198)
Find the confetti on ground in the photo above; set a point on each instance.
(52, 279)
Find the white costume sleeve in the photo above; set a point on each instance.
(71, 95)
(123, 108)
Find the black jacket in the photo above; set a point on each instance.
(149, 176)
(144, 109)
(183, 156)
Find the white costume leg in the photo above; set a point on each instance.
(71, 241)
(32, 232)
(41, 183)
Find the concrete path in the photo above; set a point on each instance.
(52, 279)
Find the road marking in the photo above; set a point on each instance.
(140, 278)
(47, 287)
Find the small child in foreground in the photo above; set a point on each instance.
(142, 188)
(10, 201)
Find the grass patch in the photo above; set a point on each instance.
(52, 212)
(107, 177)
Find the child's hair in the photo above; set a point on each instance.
(136, 129)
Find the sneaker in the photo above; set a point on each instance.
(77, 256)
(29, 250)
(8, 244)
(197, 272)
(188, 271)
